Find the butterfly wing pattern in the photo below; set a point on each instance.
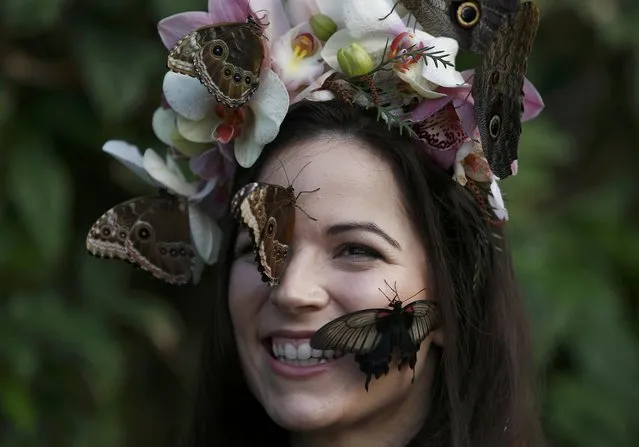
(373, 334)
(152, 233)
(268, 211)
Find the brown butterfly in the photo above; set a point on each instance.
(498, 88)
(226, 58)
(472, 23)
(269, 213)
(150, 232)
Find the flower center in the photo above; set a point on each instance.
(406, 50)
(303, 46)
(231, 125)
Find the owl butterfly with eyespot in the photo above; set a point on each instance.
(471, 23)
(226, 58)
(268, 211)
(152, 233)
(498, 88)
(373, 334)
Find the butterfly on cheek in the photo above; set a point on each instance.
(374, 334)
(498, 88)
(471, 23)
(152, 233)
(226, 58)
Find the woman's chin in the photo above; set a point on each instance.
(304, 415)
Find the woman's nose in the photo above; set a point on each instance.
(301, 288)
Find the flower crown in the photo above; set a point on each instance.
(223, 106)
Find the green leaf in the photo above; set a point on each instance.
(117, 69)
(40, 189)
(164, 8)
(18, 404)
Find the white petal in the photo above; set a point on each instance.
(300, 11)
(269, 106)
(187, 96)
(198, 269)
(413, 77)
(373, 43)
(206, 234)
(363, 16)
(200, 131)
(497, 202)
(163, 123)
(438, 73)
(333, 9)
(277, 19)
(164, 175)
(173, 167)
(308, 92)
(129, 155)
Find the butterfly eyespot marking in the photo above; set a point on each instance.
(228, 72)
(248, 80)
(182, 252)
(144, 233)
(270, 228)
(218, 50)
(105, 231)
(163, 251)
(468, 14)
(494, 126)
(237, 78)
(494, 78)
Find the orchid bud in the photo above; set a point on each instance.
(354, 60)
(323, 26)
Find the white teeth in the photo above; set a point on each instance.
(285, 350)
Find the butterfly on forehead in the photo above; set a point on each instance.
(471, 23)
(152, 233)
(226, 58)
(498, 88)
(373, 334)
(268, 211)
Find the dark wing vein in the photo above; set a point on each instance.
(352, 333)
(426, 318)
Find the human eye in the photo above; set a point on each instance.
(359, 252)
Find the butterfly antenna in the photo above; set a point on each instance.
(307, 215)
(389, 300)
(391, 11)
(415, 294)
(298, 174)
(284, 169)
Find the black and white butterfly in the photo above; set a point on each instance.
(373, 334)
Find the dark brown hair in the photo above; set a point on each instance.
(482, 393)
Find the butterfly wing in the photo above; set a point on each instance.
(425, 317)
(107, 236)
(498, 88)
(160, 240)
(226, 58)
(355, 332)
(472, 23)
(268, 211)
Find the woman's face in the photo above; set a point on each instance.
(362, 238)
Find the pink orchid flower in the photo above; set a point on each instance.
(462, 99)
(174, 27)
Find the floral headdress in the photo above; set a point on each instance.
(314, 50)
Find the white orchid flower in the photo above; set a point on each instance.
(156, 171)
(364, 27)
(197, 117)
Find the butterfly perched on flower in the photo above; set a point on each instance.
(152, 233)
(226, 58)
(373, 334)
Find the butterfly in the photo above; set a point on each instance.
(373, 334)
(150, 232)
(226, 58)
(498, 88)
(268, 211)
(471, 23)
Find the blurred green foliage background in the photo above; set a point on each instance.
(95, 353)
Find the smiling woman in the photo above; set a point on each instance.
(385, 213)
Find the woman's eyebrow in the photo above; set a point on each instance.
(362, 226)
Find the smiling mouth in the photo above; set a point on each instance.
(298, 352)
